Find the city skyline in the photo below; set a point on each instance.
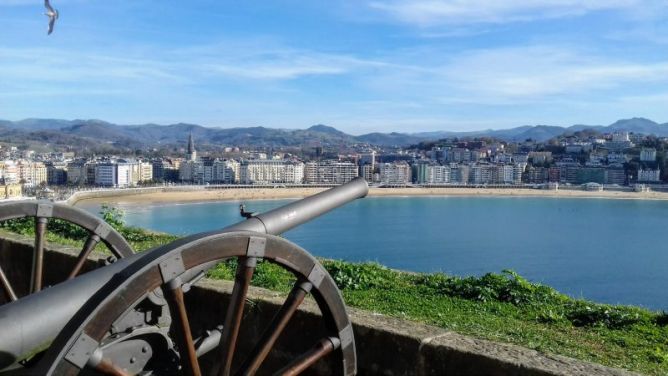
(359, 66)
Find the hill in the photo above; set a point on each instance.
(96, 132)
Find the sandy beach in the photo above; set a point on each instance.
(283, 193)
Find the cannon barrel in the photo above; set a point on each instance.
(28, 325)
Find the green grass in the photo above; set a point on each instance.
(503, 307)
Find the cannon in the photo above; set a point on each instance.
(131, 317)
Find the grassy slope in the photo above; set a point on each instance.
(503, 307)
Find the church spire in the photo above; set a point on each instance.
(191, 153)
(191, 144)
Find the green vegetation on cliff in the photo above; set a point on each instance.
(502, 307)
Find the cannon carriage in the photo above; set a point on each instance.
(133, 316)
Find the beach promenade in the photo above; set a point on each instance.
(167, 195)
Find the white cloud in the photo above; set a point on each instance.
(286, 65)
(535, 72)
(513, 75)
(438, 12)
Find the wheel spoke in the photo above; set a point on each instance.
(38, 254)
(174, 294)
(302, 362)
(275, 328)
(7, 286)
(88, 247)
(245, 269)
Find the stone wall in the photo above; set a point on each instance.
(385, 345)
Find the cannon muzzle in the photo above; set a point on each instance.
(30, 324)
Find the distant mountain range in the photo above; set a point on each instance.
(91, 133)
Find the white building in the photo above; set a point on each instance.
(398, 173)
(504, 174)
(191, 171)
(482, 174)
(437, 175)
(105, 174)
(329, 172)
(648, 155)
(9, 172)
(650, 176)
(226, 171)
(124, 174)
(32, 173)
(116, 174)
(271, 171)
(146, 171)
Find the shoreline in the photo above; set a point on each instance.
(295, 193)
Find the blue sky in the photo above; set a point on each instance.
(358, 65)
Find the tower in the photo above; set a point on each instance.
(191, 155)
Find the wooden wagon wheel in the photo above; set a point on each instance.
(93, 340)
(43, 212)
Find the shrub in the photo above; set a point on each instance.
(357, 276)
(583, 314)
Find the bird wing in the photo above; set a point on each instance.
(52, 21)
(48, 6)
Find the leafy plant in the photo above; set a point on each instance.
(357, 276)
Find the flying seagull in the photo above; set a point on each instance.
(52, 14)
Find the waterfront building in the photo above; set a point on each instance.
(370, 173)
(105, 174)
(329, 172)
(536, 175)
(649, 176)
(76, 172)
(459, 173)
(271, 171)
(226, 171)
(615, 175)
(590, 175)
(396, 173)
(431, 174)
(518, 172)
(568, 171)
(208, 170)
(146, 171)
(554, 175)
(503, 174)
(124, 174)
(90, 172)
(31, 173)
(114, 174)
(56, 173)
(191, 171)
(165, 170)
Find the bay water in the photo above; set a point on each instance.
(606, 250)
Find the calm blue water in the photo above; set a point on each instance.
(611, 251)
